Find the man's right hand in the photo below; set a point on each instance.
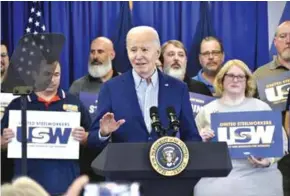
(108, 124)
(6, 137)
(206, 134)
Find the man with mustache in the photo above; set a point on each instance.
(100, 70)
(100, 67)
(211, 58)
(174, 60)
(280, 64)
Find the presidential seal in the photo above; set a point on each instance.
(169, 156)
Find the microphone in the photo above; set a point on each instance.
(156, 125)
(174, 123)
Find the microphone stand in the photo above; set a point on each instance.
(23, 91)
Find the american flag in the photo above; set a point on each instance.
(35, 23)
(35, 50)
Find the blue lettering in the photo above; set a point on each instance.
(45, 135)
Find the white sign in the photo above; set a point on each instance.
(5, 99)
(48, 135)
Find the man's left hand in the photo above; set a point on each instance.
(80, 134)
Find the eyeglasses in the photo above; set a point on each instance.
(213, 53)
(239, 78)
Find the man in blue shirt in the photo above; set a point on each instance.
(54, 175)
(211, 58)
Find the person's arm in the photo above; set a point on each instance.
(287, 117)
(104, 124)
(287, 121)
(188, 127)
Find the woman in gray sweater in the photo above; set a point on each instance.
(254, 176)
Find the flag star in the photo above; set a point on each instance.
(42, 37)
(36, 23)
(38, 14)
(41, 47)
(33, 43)
(21, 59)
(28, 30)
(25, 39)
(28, 72)
(23, 49)
(20, 69)
(32, 10)
(43, 27)
(48, 50)
(30, 20)
(35, 32)
(29, 63)
(31, 53)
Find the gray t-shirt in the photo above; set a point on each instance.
(85, 84)
(244, 179)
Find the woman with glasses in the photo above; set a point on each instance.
(235, 87)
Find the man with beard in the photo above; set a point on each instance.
(100, 67)
(280, 64)
(100, 70)
(174, 60)
(211, 58)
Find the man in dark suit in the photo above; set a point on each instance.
(124, 101)
(174, 60)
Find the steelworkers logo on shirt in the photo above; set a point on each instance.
(169, 156)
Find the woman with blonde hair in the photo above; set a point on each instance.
(235, 87)
(23, 186)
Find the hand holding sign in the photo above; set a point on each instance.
(6, 137)
(79, 134)
(259, 162)
(206, 134)
(108, 124)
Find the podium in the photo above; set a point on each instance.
(129, 162)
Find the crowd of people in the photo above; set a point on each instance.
(158, 78)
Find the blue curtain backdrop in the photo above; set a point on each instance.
(242, 26)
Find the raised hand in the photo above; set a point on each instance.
(108, 124)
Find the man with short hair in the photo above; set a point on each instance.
(281, 62)
(54, 175)
(4, 60)
(211, 58)
(124, 102)
(100, 67)
(174, 60)
(6, 164)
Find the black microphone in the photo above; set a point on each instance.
(156, 125)
(174, 123)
